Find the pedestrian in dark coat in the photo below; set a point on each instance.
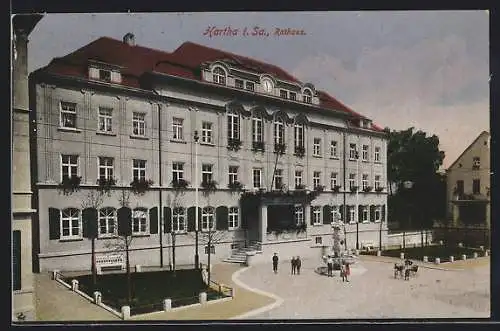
(298, 264)
(347, 271)
(294, 265)
(275, 263)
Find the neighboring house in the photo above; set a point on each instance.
(116, 110)
(468, 185)
(22, 211)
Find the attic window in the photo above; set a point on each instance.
(105, 75)
(219, 76)
(307, 97)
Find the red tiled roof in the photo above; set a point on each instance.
(184, 62)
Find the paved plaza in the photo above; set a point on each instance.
(373, 292)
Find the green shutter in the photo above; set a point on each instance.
(348, 213)
(221, 218)
(167, 217)
(311, 214)
(54, 223)
(16, 260)
(327, 214)
(341, 210)
(372, 213)
(89, 220)
(360, 213)
(383, 213)
(124, 221)
(191, 219)
(153, 220)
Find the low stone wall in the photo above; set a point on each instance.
(410, 238)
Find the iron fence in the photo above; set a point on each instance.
(468, 236)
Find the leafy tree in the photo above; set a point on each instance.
(415, 156)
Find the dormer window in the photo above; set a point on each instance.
(293, 96)
(307, 97)
(284, 94)
(250, 86)
(105, 75)
(219, 76)
(238, 83)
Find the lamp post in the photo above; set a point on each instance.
(357, 197)
(408, 185)
(196, 256)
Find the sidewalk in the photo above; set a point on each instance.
(448, 266)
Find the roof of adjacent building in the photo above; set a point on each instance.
(482, 134)
(185, 62)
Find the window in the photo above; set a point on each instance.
(378, 214)
(476, 163)
(352, 152)
(219, 76)
(333, 179)
(238, 83)
(335, 214)
(250, 86)
(139, 169)
(177, 171)
(106, 167)
(212, 249)
(105, 75)
(299, 214)
(233, 174)
(257, 178)
(179, 219)
(139, 221)
(460, 187)
(377, 181)
(316, 215)
(284, 94)
(334, 149)
(298, 178)
(233, 218)
(71, 225)
(364, 214)
(278, 179)
(69, 166)
(317, 147)
(233, 126)
(476, 186)
(352, 181)
(68, 115)
(107, 222)
(318, 240)
(364, 181)
(377, 154)
(207, 219)
(279, 131)
(298, 136)
(257, 131)
(352, 214)
(206, 132)
(316, 179)
(364, 154)
(139, 124)
(105, 119)
(293, 96)
(177, 128)
(206, 173)
(307, 97)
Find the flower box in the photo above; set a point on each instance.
(234, 144)
(235, 186)
(70, 184)
(279, 149)
(179, 184)
(354, 189)
(258, 146)
(209, 186)
(105, 184)
(140, 186)
(367, 189)
(379, 189)
(336, 188)
(299, 151)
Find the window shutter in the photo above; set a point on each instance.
(89, 219)
(221, 218)
(167, 219)
(372, 213)
(327, 214)
(360, 213)
(191, 219)
(124, 221)
(383, 214)
(311, 215)
(54, 223)
(341, 210)
(16, 260)
(153, 220)
(348, 213)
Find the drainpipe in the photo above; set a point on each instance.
(160, 212)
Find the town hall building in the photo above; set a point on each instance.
(269, 160)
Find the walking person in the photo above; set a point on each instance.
(294, 265)
(275, 263)
(347, 271)
(342, 272)
(329, 265)
(298, 264)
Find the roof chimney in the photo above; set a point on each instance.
(129, 39)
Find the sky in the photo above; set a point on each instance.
(423, 69)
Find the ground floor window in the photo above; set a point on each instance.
(378, 213)
(336, 216)
(352, 214)
(207, 219)
(139, 221)
(299, 214)
(107, 222)
(71, 225)
(179, 219)
(364, 214)
(212, 249)
(233, 217)
(319, 240)
(316, 215)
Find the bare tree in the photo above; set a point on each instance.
(211, 238)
